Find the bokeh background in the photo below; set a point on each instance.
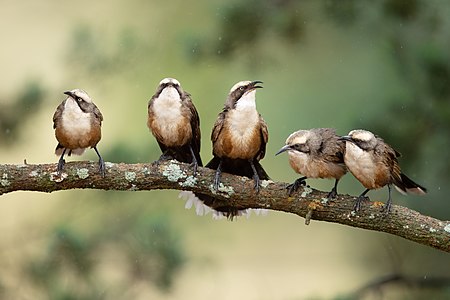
(381, 65)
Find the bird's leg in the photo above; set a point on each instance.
(293, 187)
(101, 163)
(333, 193)
(255, 175)
(194, 163)
(217, 176)
(387, 206)
(360, 198)
(61, 162)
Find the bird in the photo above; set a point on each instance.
(77, 123)
(239, 137)
(174, 122)
(315, 153)
(374, 163)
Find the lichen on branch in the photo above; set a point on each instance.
(235, 191)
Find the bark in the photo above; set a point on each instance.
(236, 191)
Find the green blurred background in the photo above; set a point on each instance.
(381, 65)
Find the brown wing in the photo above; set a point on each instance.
(149, 120)
(97, 113)
(58, 113)
(195, 123)
(195, 127)
(389, 159)
(331, 148)
(264, 138)
(218, 125)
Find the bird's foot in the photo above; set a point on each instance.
(386, 208)
(332, 194)
(216, 180)
(194, 166)
(61, 163)
(101, 167)
(164, 157)
(293, 187)
(358, 202)
(257, 183)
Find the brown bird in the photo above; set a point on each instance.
(374, 163)
(315, 153)
(77, 123)
(174, 121)
(239, 139)
(239, 136)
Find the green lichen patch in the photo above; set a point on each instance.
(306, 192)
(56, 177)
(190, 181)
(265, 183)
(227, 190)
(173, 172)
(130, 176)
(4, 181)
(83, 173)
(447, 228)
(109, 164)
(146, 171)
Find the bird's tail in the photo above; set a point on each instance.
(406, 185)
(240, 167)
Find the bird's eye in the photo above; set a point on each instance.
(79, 99)
(241, 88)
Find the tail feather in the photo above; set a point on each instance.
(406, 185)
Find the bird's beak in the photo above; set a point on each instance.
(285, 148)
(68, 93)
(255, 86)
(346, 138)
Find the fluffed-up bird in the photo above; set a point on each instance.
(77, 123)
(315, 153)
(174, 121)
(374, 163)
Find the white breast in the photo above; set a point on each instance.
(74, 120)
(167, 115)
(242, 123)
(359, 163)
(167, 106)
(299, 162)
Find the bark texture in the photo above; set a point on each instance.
(236, 191)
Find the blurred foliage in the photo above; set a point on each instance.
(414, 37)
(242, 25)
(147, 246)
(90, 52)
(19, 110)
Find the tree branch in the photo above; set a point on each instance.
(236, 191)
